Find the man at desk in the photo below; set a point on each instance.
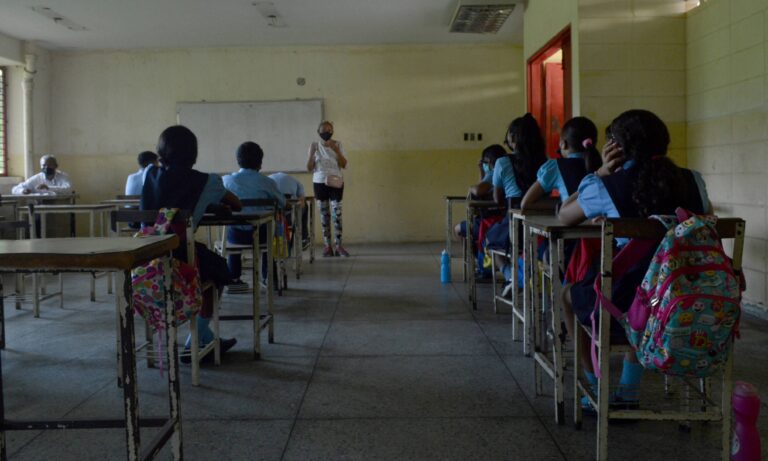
(50, 181)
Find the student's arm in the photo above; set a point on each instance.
(311, 159)
(481, 189)
(232, 201)
(24, 187)
(340, 158)
(571, 212)
(534, 194)
(499, 196)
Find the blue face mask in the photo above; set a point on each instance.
(487, 169)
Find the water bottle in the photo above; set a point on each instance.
(445, 267)
(746, 408)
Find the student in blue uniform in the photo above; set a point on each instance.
(579, 157)
(637, 179)
(483, 189)
(176, 185)
(513, 176)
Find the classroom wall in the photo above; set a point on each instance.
(401, 112)
(632, 56)
(727, 88)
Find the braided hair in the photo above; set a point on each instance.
(580, 133)
(644, 138)
(529, 150)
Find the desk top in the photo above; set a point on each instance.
(72, 208)
(236, 218)
(121, 201)
(550, 223)
(455, 197)
(483, 204)
(24, 198)
(119, 253)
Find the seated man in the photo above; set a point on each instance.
(248, 183)
(135, 181)
(50, 181)
(290, 187)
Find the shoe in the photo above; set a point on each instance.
(340, 251)
(327, 252)
(238, 286)
(507, 291)
(224, 345)
(615, 402)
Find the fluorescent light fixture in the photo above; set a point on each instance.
(58, 18)
(480, 18)
(269, 12)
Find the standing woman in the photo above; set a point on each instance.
(326, 160)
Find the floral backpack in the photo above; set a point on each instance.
(147, 281)
(686, 311)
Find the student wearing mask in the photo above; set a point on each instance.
(50, 180)
(135, 181)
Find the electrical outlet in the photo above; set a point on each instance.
(466, 136)
(479, 136)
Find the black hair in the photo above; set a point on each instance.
(146, 158)
(529, 150)
(250, 155)
(493, 153)
(644, 138)
(177, 147)
(580, 134)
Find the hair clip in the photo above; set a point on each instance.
(587, 143)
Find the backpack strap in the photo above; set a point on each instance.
(572, 171)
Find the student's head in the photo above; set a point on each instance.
(644, 139)
(147, 158)
(524, 138)
(579, 134)
(325, 130)
(177, 147)
(250, 156)
(48, 165)
(490, 155)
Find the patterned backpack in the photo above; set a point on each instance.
(686, 311)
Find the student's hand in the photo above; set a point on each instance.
(613, 159)
(26, 191)
(42, 187)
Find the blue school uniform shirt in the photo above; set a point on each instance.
(212, 194)
(550, 177)
(250, 184)
(504, 177)
(287, 184)
(595, 200)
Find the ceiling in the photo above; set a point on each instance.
(130, 24)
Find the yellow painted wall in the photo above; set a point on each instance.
(727, 87)
(401, 112)
(632, 56)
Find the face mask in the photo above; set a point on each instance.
(326, 135)
(49, 171)
(486, 168)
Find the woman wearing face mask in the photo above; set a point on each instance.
(326, 160)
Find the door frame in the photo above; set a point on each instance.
(561, 41)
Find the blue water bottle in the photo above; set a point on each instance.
(445, 267)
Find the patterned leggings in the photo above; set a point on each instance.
(330, 209)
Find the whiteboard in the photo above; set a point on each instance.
(283, 129)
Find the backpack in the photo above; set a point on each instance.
(686, 311)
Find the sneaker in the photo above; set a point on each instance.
(615, 402)
(327, 252)
(224, 344)
(238, 286)
(340, 251)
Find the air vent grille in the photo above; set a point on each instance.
(481, 19)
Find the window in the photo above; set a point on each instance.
(3, 125)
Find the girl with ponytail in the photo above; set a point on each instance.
(637, 179)
(577, 146)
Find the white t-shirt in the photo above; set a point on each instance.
(326, 162)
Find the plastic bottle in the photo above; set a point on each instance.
(445, 267)
(746, 409)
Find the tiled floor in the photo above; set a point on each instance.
(374, 359)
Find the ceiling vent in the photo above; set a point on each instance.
(57, 18)
(269, 12)
(487, 18)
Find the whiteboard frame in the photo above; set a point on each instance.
(205, 101)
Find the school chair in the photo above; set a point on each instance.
(696, 400)
(13, 228)
(196, 353)
(475, 208)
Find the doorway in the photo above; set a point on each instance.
(549, 88)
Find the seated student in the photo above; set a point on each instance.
(135, 181)
(637, 179)
(248, 183)
(483, 189)
(513, 176)
(176, 185)
(577, 146)
(290, 187)
(49, 181)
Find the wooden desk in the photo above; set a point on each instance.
(23, 200)
(552, 229)
(470, 251)
(111, 254)
(260, 321)
(127, 202)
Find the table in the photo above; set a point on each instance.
(127, 202)
(556, 232)
(91, 210)
(41, 199)
(470, 251)
(260, 321)
(87, 254)
(449, 201)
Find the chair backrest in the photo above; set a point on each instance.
(6, 226)
(128, 197)
(129, 216)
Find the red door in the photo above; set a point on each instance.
(554, 106)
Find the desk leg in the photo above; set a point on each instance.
(128, 360)
(2, 396)
(527, 288)
(256, 283)
(270, 281)
(2, 322)
(36, 295)
(311, 223)
(514, 251)
(556, 257)
(92, 217)
(172, 358)
(448, 222)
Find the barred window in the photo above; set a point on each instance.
(3, 125)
